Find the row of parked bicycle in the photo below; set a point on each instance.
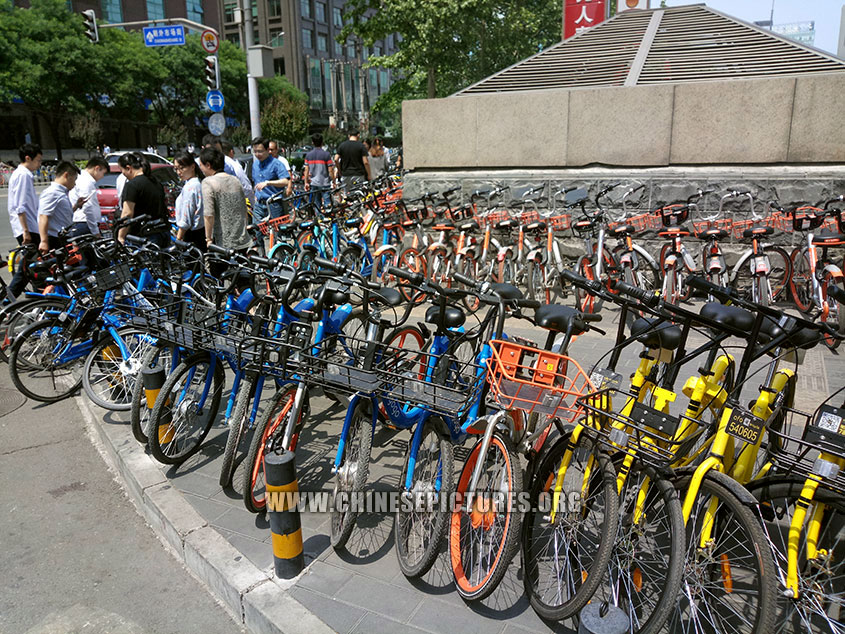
(710, 505)
(521, 242)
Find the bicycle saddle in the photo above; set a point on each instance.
(505, 291)
(454, 317)
(655, 333)
(288, 228)
(470, 225)
(444, 226)
(537, 225)
(757, 231)
(673, 231)
(558, 318)
(583, 225)
(352, 222)
(387, 296)
(622, 230)
(306, 224)
(828, 237)
(719, 234)
(509, 223)
(805, 338)
(728, 316)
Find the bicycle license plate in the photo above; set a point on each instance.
(604, 378)
(745, 426)
(761, 264)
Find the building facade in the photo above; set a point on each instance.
(302, 34)
(203, 11)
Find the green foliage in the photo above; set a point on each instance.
(240, 135)
(173, 133)
(285, 118)
(332, 137)
(297, 162)
(448, 44)
(275, 85)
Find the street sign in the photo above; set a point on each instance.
(579, 15)
(217, 124)
(210, 42)
(214, 100)
(164, 35)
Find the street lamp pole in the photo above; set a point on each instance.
(251, 81)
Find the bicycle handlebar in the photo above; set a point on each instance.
(648, 298)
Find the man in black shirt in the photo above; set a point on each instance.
(142, 195)
(351, 159)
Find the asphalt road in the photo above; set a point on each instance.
(75, 554)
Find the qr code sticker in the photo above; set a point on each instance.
(830, 421)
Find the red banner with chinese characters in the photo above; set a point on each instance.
(582, 14)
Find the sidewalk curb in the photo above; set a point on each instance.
(256, 600)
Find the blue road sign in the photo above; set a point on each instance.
(164, 35)
(214, 100)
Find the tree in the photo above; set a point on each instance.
(87, 128)
(332, 137)
(285, 118)
(453, 43)
(48, 63)
(173, 133)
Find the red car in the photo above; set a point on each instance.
(107, 188)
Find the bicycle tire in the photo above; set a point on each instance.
(801, 282)
(484, 516)
(20, 314)
(837, 323)
(536, 274)
(139, 413)
(583, 300)
(507, 269)
(356, 458)
(702, 566)
(237, 425)
(161, 443)
(469, 267)
(274, 423)
(647, 564)
(412, 260)
(120, 385)
(37, 340)
(603, 513)
(426, 526)
(775, 494)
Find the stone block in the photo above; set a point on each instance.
(817, 131)
(740, 121)
(221, 566)
(522, 129)
(270, 610)
(620, 126)
(439, 132)
(170, 515)
(138, 470)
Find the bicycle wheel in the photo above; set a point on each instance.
(421, 518)
(351, 476)
(729, 583)
(507, 269)
(45, 364)
(469, 267)
(536, 274)
(107, 378)
(17, 316)
(411, 260)
(820, 605)
(584, 301)
(564, 560)
(484, 526)
(237, 426)
(836, 311)
(185, 409)
(352, 258)
(274, 425)
(284, 253)
(139, 413)
(647, 564)
(801, 281)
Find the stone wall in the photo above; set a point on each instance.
(781, 120)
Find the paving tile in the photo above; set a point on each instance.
(196, 483)
(436, 616)
(341, 617)
(240, 521)
(259, 553)
(322, 577)
(377, 624)
(209, 509)
(379, 597)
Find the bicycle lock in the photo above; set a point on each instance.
(282, 493)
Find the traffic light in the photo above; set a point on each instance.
(211, 75)
(90, 19)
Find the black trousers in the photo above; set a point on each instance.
(19, 279)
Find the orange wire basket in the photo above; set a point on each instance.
(267, 225)
(561, 222)
(533, 380)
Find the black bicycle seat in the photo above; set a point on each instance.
(471, 225)
(752, 232)
(288, 228)
(505, 291)
(454, 317)
(718, 234)
(509, 223)
(622, 230)
(828, 237)
(558, 318)
(654, 334)
(387, 296)
(306, 224)
(537, 225)
(728, 316)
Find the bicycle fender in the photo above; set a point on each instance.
(834, 271)
(645, 255)
(436, 245)
(742, 261)
(720, 478)
(503, 253)
(338, 317)
(385, 248)
(468, 251)
(537, 254)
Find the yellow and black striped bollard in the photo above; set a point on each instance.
(282, 497)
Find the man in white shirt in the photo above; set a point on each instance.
(87, 218)
(273, 146)
(55, 211)
(23, 207)
(106, 149)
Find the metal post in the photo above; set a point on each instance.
(251, 82)
(282, 497)
(152, 379)
(603, 618)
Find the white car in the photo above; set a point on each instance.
(112, 157)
